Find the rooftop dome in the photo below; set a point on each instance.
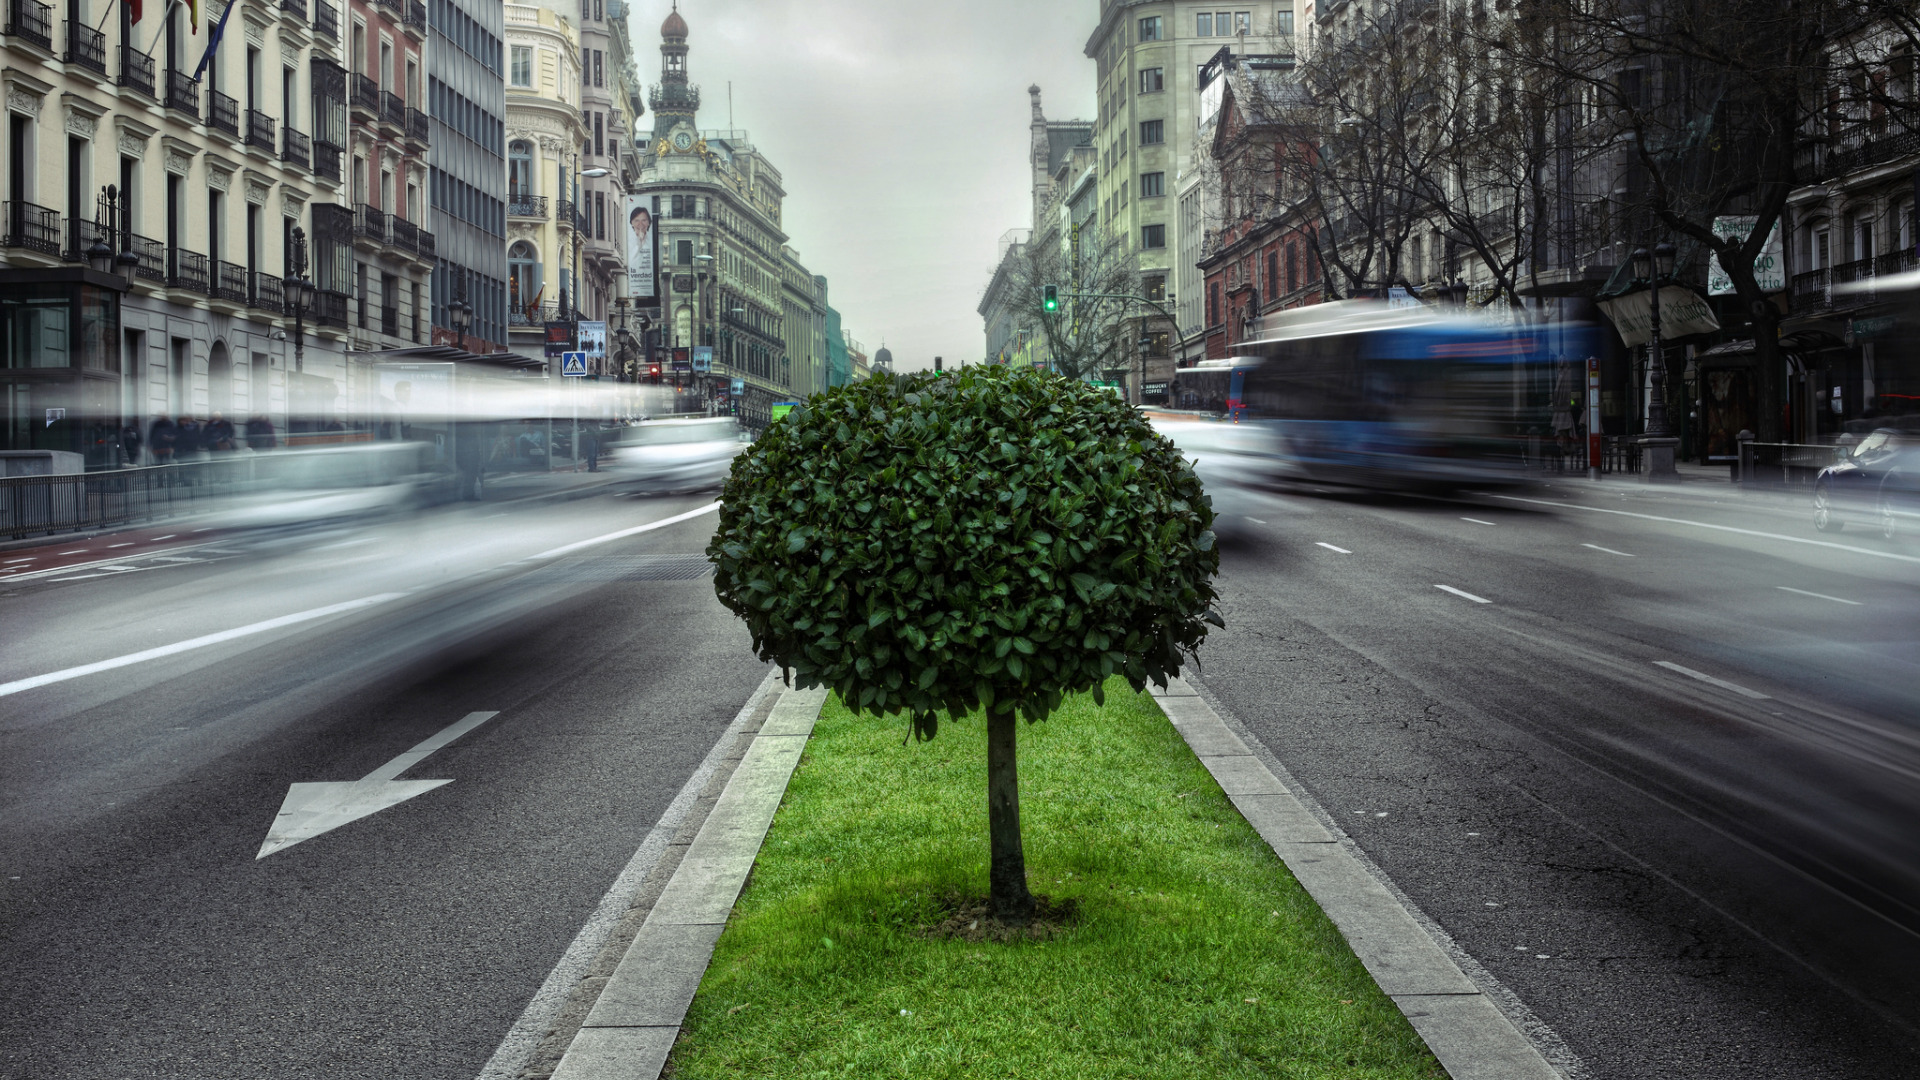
(883, 356)
(675, 26)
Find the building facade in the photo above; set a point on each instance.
(546, 135)
(210, 178)
(389, 129)
(467, 171)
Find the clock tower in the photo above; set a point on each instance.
(674, 102)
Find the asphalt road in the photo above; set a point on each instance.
(1657, 776)
(139, 934)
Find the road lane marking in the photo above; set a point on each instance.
(1256, 521)
(1720, 528)
(312, 809)
(1609, 551)
(157, 539)
(29, 558)
(676, 519)
(75, 551)
(1463, 592)
(127, 544)
(1476, 521)
(1819, 596)
(194, 643)
(1706, 678)
(1330, 547)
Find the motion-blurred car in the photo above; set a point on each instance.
(674, 456)
(1850, 490)
(292, 489)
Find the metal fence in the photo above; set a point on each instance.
(1617, 456)
(1784, 464)
(39, 505)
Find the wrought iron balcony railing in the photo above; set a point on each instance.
(30, 20)
(229, 282)
(152, 255)
(393, 109)
(295, 8)
(416, 16)
(326, 161)
(183, 93)
(260, 130)
(363, 93)
(326, 20)
(86, 47)
(329, 308)
(296, 148)
(136, 70)
(402, 233)
(223, 113)
(81, 235)
(370, 222)
(36, 228)
(424, 244)
(534, 206)
(268, 293)
(419, 126)
(186, 270)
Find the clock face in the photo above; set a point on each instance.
(683, 140)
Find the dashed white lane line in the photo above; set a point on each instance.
(1710, 680)
(1330, 547)
(567, 549)
(1463, 592)
(194, 643)
(1819, 596)
(75, 551)
(1476, 521)
(1256, 521)
(1609, 551)
(1719, 528)
(127, 544)
(29, 558)
(157, 539)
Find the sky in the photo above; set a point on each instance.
(900, 130)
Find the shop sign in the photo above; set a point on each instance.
(1769, 267)
(1868, 328)
(1682, 312)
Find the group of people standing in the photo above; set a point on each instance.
(187, 439)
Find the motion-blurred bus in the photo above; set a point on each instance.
(1354, 392)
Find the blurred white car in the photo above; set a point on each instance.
(303, 488)
(667, 456)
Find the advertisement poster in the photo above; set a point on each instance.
(680, 361)
(642, 242)
(702, 359)
(559, 339)
(1769, 267)
(593, 339)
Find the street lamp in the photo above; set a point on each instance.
(460, 313)
(1656, 269)
(109, 235)
(299, 293)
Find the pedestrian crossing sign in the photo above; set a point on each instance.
(573, 364)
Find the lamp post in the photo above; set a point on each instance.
(1658, 442)
(709, 318)
(299, 293)
(460, 313)
(112, 250)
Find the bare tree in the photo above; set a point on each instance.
(1086, 334)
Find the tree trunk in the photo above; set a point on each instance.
(1010, 900)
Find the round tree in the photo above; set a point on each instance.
(986, 540)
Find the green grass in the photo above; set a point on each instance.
(1185, 913)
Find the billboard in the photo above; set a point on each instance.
(702, 359)
(559, 339)
(1769, 267)
(642, 241)
(593, 339)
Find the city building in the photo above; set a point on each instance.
(467, 170)
(1059, 157)
(547, 132)
(388, 131)
(715, 206)
(153, 220)
(797, 290)
(607, 124)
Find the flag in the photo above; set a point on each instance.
(193, 14)
(133, 11)
(533, 308)
(213, 39)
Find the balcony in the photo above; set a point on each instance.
(136, 70)
(531, 315)
(326, 20)
(35, 228)
(183, 93)
(86, 47)
(295, 8)
(533, 206)
(564, 213)
(425, 245)
(186, 270)
(229, 283)
(393, 109)
(363, 94)
(152, 255)
(295, 148)
(418, 126)
(369, 222)
(326, 161)
(31, 21)
(329, 308)
(81, 235)
(415, 20)
(260, 130)
(402, 233)
(268, 293)
(223, 113)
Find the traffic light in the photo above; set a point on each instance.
(1050, 298)
(653, 372)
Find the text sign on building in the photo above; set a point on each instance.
(680, 361)
(1769, 267)
(593, 339)
(559, 338)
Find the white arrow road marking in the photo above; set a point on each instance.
(1818, 596)
(1330, 547)
(1463, 592)
(312, 809)
(1706, 678)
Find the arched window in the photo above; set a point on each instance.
(523, 280)
(683, 326)
(519, 169)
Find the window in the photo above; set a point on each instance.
(683, 252)
(1213, 303)
(599, 134)
(599, 215)
(1152, 80)
(1203, 24)
(1273, 274)
(599, 68)
(1150, 29)
(1153, 236)
(522, 65)
(519, 169)
(1155, 287)
(1152, 132)
(1283, 23)
(1153, 184)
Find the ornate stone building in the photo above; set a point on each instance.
(393, 249)
(546, 132)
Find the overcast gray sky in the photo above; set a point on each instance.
(901, 132)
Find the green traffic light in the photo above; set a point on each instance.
(1050, 298)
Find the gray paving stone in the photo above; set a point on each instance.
(656, 979)
(1398, 953)
(632, 1053)
(795, 712)
(1204, 731)
(1243, 774)
(1280, 819)
(1472, 1039)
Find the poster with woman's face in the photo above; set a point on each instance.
(640, 247)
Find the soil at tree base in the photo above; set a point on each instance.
(970, 918)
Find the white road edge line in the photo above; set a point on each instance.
(1706, 678)
(1463, 592)
(1609, 551)
(1476, 521)
(1330, 547)
(1719, 528)
(194, 643)
(1819, 596)
(676, 519)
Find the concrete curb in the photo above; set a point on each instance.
(636, 1019)
(1470, 1034)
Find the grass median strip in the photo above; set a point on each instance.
(1189, 950)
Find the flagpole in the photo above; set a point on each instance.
(164, 16)
(103, 17)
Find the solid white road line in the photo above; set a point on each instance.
(1609, 551)
(1330, 547)
(194, 643)
(1256, 521)
(1476, 521)
(1705, 678)
(676, 519)
(1719, 528)
(1462, 592)
(1819, 596)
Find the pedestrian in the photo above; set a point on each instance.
(189, 439)
(590, 446)
(130, 444)
(163, 437)
(219, 433)
(260, 434)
